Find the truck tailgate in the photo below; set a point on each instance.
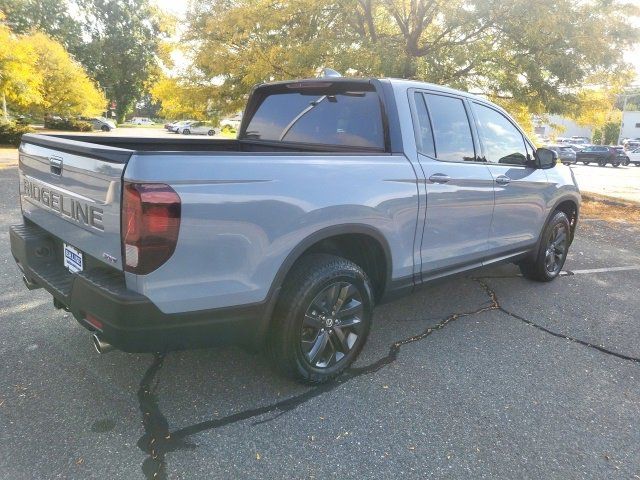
(73, 190)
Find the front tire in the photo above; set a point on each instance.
(211, 133)
(586, 163)
(186, 132)
(552, 251)
(322, 318)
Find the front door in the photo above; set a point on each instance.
(459, 186)
(520, 206)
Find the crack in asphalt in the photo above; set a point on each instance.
(600, 348)
(158, 440)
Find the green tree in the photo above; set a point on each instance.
(121, 52)
(66, 89)
(531, 56)
(53, 17)
(181, 101)
(20, 81)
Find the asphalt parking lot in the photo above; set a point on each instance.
(490, 376)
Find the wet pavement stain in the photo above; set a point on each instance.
(104, 425)
(158, 440)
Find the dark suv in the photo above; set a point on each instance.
(600, 154)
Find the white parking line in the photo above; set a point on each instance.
(601, 270)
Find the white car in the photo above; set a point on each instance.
(634, 157)
(173, 127)
(141, 121)
(231, 123)
(197, 128)
(102, 123)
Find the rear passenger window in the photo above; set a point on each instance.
(451, 129)
(502, 141)
(424, 135)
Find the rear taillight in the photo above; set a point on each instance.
(150, 225)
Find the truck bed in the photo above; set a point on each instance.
(119, 149)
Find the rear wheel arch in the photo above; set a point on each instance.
(362, 244)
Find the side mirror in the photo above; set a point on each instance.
(546, 158)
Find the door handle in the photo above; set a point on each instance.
(502, 180)
(439, 178)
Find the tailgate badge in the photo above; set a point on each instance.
(55, 164)
(109, 258)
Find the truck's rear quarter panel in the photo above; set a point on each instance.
(243, 215)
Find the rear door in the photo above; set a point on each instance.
(458, 183)
(520, 187)
(72, 190)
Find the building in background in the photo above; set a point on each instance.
(630, 127)
(554, 126)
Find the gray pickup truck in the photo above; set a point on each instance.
(337, 194)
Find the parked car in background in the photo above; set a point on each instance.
(141, 121)
(631, 144)
(622, 155)
(197, 128)
(600, 154)
(231, 123)
(566, 154)
(579, 140)
(634, 157)
(101, 123)
(175, 127)
(577, 148)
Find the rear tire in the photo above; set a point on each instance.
(552, 251)
(186, 132)
(104, 128)
(615, 164)
(211, 133)
(322, 318)
(586, 163)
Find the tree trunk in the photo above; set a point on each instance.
(4, 108)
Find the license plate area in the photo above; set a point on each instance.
(73, 258)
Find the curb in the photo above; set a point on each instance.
(610, 201)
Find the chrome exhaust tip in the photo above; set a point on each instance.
(100, 345)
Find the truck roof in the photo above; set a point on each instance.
(396, 82)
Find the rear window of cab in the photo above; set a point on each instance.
(343, 119)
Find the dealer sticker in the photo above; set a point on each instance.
(72, 258)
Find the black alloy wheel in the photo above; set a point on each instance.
(332, 325)
(557, 247)
(552, 251)
(322, 318)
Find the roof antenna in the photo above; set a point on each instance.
(324, 72)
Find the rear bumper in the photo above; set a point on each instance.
(128, 320)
